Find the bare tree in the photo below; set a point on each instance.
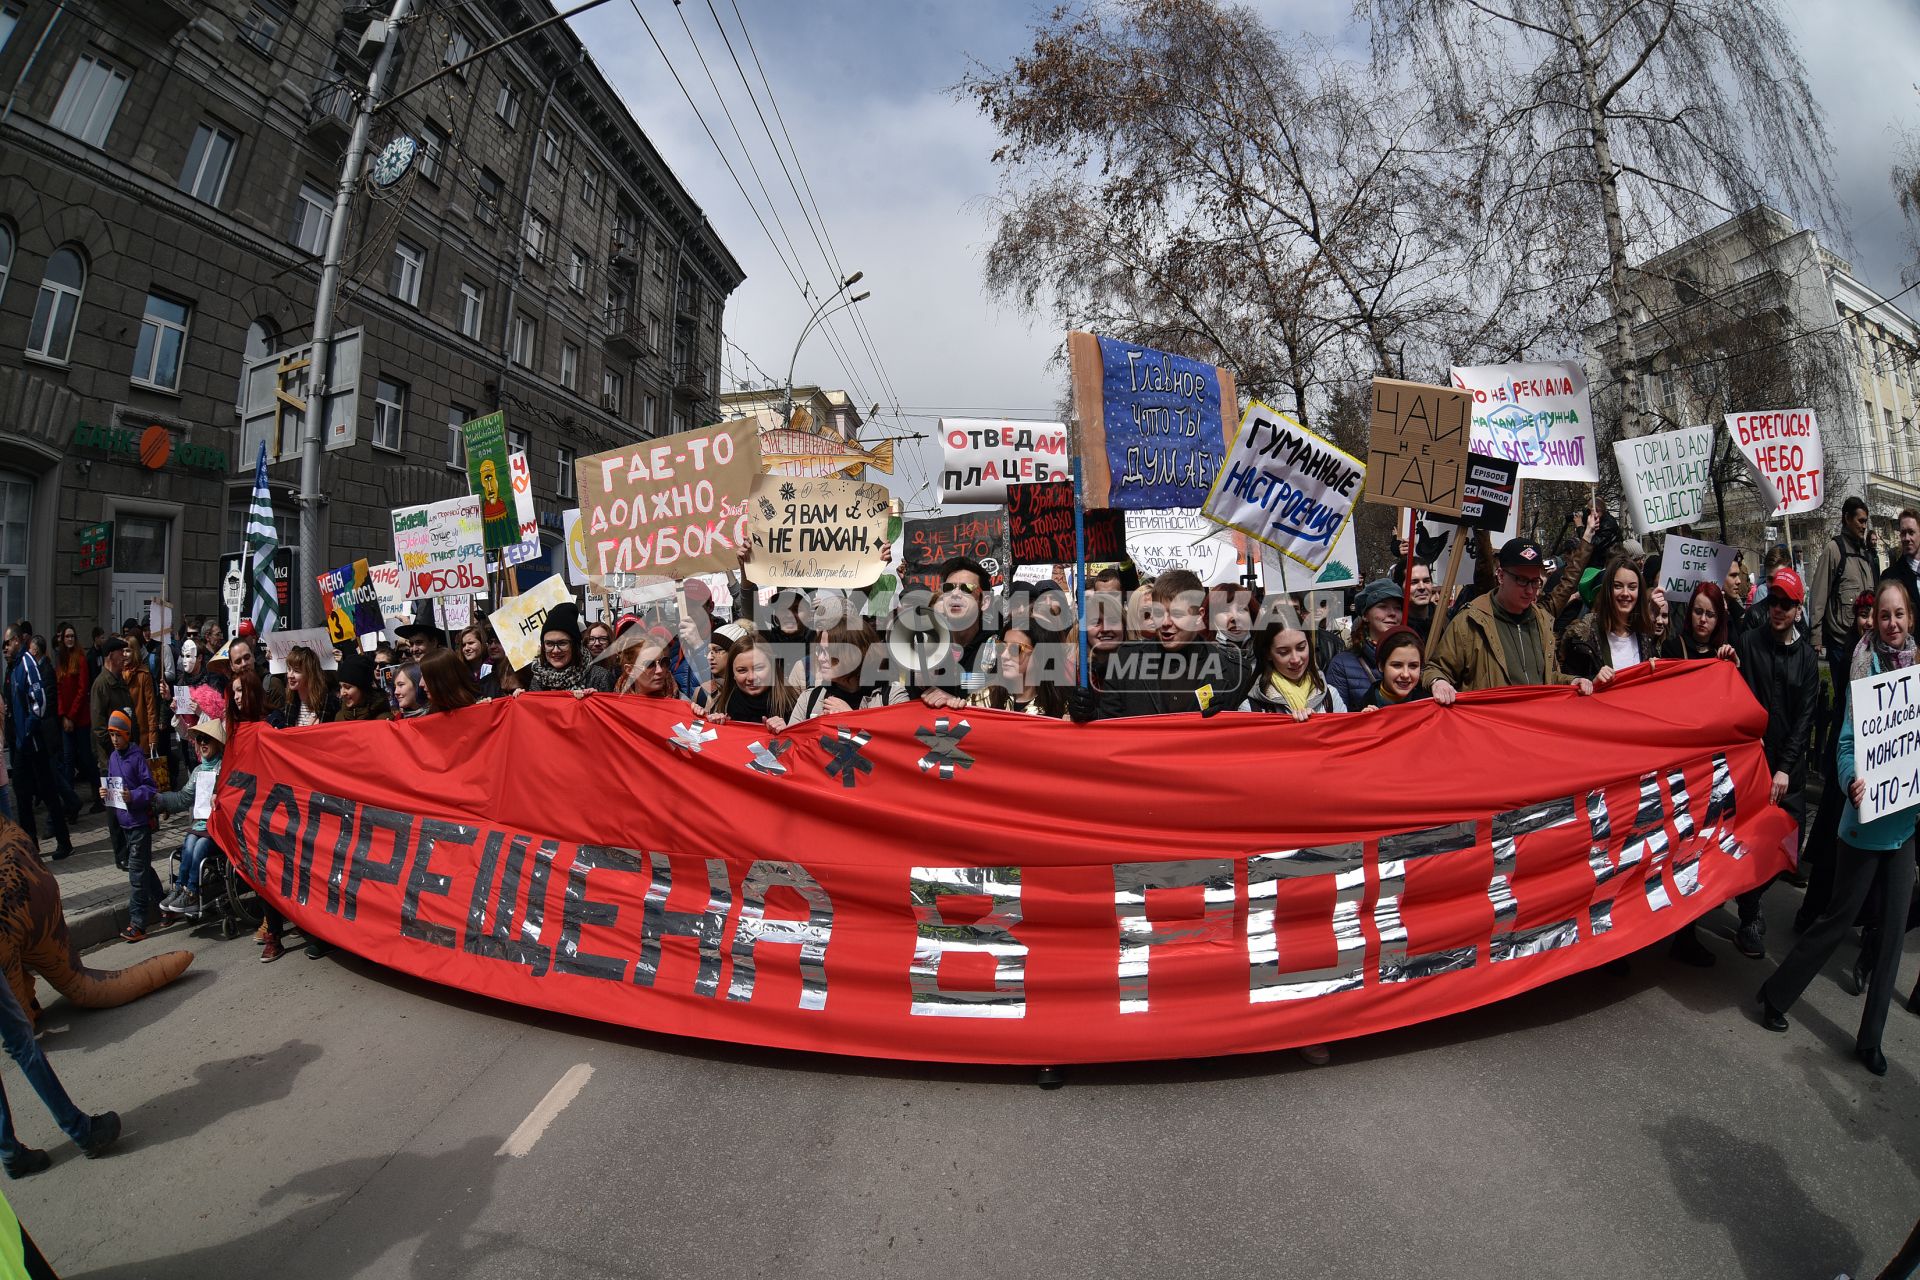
(1905, 177)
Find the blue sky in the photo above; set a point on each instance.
(901, 169)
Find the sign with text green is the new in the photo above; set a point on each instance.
(490, 479)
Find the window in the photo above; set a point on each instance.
(6, 258)
(577, 269)
(16, 509)
(433, 146)
(389, 414)
(263, 24)
(563, 486)
(613, 391)
(163, 338)
(659, 258)
(459, 49)
(523, 340)
(519, 442)
(409, 264)
(570, 366)
(507, 104)
(209, 156)
(312, 219)
(550, 149)
(458, 415)
(486, 204)
(51, 334)
(653, 331)
(91, 99)
(590, 187)
(473, 308)
(9, 18)
(647, 412)
(536, 237)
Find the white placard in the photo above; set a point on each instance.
(982, 456)
(159, 617)
(529, 545)
(1665, 476)
(1886, 741)
(1285, 487)
(183, 703)
(1180, 539)
(116, 789)
(1783, 447)
(282, 643)
(204, 782)
(1539, 415)
(1685, 563)
(517, 622)
(441, 548)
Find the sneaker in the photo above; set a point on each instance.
(190, 905)
(104, 1132)
(272, 951)
(1751, 940)
(261, 934)
(171, 903)
(316, 949)
(133, 933)
(29, 1161)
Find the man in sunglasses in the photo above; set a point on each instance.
(961, 603)
(1783, 671)
(1504, 637)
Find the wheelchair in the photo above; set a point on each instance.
(226, 900)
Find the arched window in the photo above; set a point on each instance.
(58, 305)
(6, 258)
(263, 339)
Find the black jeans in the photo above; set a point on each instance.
(33, 769)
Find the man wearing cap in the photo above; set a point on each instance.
(1783, 671)
(111, 693)
(1377, 611)
(1503, 637)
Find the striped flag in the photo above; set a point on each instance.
(262, 541)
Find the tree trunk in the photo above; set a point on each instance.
(1625, 366)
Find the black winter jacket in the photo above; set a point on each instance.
(1785, 679)
(1144, 679)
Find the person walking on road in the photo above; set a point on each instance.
(92, 1134)
(73, 682)
(128, 789)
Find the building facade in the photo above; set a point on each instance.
(816, 409)
(167, 180)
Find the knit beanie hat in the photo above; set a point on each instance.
(120, 722)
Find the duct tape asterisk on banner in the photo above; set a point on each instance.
(690, 738)
(847, 763)
(943, 748)
(766, 757)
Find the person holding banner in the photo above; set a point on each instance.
(1182, 669)
(1377, 612)
(1504, 637)
(647, 669)
(360, 694)
(445, 682)
(1618, 633)
(750, 691)
(1873, 859)
(1021, 684)
(961, 605)
(846, 657)
(561, 664)
(308, 699)
(1402, 659)
(409, 697)
(1703, 632)
(1287, 680)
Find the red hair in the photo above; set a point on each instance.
(1718, 599)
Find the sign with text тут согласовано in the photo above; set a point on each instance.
(1286, 487)
(669, 508)
(982, 456)
(1152, 423)
(1784, 449)
(1886, 741)
(1539, 415)
(1665, 476)
(1040, 527)
(1417, 444)
(816, 532)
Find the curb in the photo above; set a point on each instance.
(96, 925)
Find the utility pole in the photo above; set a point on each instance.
(312, 563)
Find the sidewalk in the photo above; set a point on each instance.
(92, 890)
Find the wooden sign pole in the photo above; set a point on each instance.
(1440, 601)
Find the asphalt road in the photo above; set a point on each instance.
(331, 1119)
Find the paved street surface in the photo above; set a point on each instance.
(331, 1119)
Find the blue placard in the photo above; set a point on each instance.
(1162, 420)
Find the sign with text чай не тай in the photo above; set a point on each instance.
(1886, 740)
(1040, 527)
(441, 547)
(1417, 446)
(1783, 447)
(1540, 415)
(1152, 423)
(1665, 476)
(669, 508)
(982, 456)
(816, 532)
(1285, 486)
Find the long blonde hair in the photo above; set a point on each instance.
(780, 694)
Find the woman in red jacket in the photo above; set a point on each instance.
(73, 683)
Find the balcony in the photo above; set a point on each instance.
(626, 331)
(330, 112)
(689, 378)
(683, 301)
(622, 255)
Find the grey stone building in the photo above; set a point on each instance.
(167, 170)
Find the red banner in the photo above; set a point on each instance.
(990, 887)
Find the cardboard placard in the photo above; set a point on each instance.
(1665, 477)
(159, 617)
(441, 548)
(1783, 447)
(816, 532)
(281, 643)
(518, 621)
(1539, 415)
(183, 703)
(979, 534)
(489, 478)
(1886, 740)
(453, 614)
(1161, 540)
(352, 604)
(1486, 500)
(1040, 527)
(1285, 486)
(1685, 563)
(671, 507)
(1417, 445)
(528, 548)
(983, 456)
(1152, 424)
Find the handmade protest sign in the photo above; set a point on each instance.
(204, 784)
(453, 614)
(351, 603)
(1342, 568)
(183, 703)
(1783, 447)
(389, 587)
(1417, 445)
(1283, 485)
(832, 910)
(488, 478)
(982, 535)
(1886, 740)
(1685, 563)
(1486, 500)
(982, 456)
(281, 643)
(574, 535)
(518, 621)
(1539, 415)
(1665, 476)
(1151, 423)
(116, 792)
(1040, 527)
(815, 532)
(671, 507)
(528, 548)
(1161, 540)
(441, 548)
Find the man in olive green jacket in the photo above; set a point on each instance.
(1503, 637)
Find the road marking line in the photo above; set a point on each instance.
(564, 1091)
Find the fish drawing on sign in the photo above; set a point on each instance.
(1519, 434)
(787, 452)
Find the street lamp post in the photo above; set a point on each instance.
(820, 313)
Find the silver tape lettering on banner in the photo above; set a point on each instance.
(1718, 822)
(1346, 864)
(1509, 943)
(1686, 850)
(706, 927)
(1648, 841)
(1396, 851)
(935, 888)
(754, 928)
(1600, 862)
(1133, 882)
